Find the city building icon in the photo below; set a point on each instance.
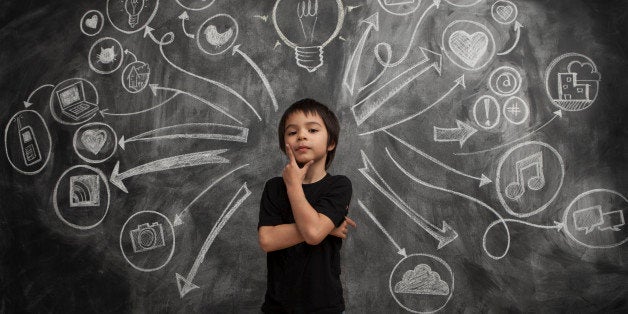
(569, 88)
(137, 77)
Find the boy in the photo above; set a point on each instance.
(302, 218)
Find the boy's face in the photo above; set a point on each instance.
(307, 136)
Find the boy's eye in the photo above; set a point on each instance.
(292, 132)
(313, 130)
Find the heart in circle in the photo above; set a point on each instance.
(504, 11)
(94, 140)
(468, 47)
(92, 22)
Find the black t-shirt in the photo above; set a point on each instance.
(305, 278)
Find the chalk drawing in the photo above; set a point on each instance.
(131, 16)
(572, 82)
(400, 251)
(558, 226)
(514, 190)
(353, 65)
(517, 27)
(184, 17)
(135, 76)
(504, 81)
(461, 133)
(463, 3)
(262, 76)
(28, 102)
(74, 101)
(516, 110)
(400, 7)
(468, 44)
(504, 12)
(95, 142)
(106, 55)
(196, 131)
(28, 130)
(486, 112)
(79, 197)
(214, 41)
(92, 22)
(184, 284)
(187, 4)
(147, 240)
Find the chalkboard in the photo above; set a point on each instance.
(485, 140)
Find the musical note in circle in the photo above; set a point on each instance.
(515, 189)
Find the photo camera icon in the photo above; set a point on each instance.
(147, 237)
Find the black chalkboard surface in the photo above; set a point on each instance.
(485, 140)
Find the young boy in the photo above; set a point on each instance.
(302, 218)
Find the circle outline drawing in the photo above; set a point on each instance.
(150, 19)
(195, 9)
(56, 206)
(122, 77)
(508, 70)
(436, 258)
(496, 105)
(551, 66)
(93, 161)
(463, 5)
(525, 105)
(491, 42)
(235, 36)
(515, 12)
(91, 64)
(6, 146)
(385, 8)
(102, 22)
(502, 159)
(174, 242)
(52, 102)
(577, 198)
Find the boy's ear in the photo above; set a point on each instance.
(331, 147)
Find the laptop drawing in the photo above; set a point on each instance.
(73, 103)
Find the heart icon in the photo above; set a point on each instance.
(92, 22)
(469, 48)
(94, 140)
(504, 11)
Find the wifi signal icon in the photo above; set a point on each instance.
(84, 190)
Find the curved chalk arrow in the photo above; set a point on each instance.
(261, 75)
(183, 17)
(184, 284)
(105, 112)
(175, 162)
(459, 134)
(127, 51)
(354, 62)
(199, 131)
(518, 27)
(27, 102)
(400, 251)
(443, 235)
(484, 180)
(367, 106)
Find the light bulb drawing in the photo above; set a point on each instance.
(133, 8)
(305, 31)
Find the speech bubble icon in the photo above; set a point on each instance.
(588, 218)
(612, 220)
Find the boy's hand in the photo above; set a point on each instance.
(343, 229)
(292, 174)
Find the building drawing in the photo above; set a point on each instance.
(570, 89)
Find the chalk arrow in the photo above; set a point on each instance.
(175, 162)
(199, 131)
(517, 28)
(127, 51)
(354, 62)
(443, 235)
(400, 251)
(269, 89)
(148, 31)
(27, 102)
(185, 284)
(372, 102)
(183, 17)
(459, 134)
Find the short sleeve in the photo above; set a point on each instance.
(269, 213)
(335, 202)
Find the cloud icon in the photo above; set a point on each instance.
(584, 70)
(422, 280)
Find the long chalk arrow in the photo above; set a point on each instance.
(27, 102)
(400, 251)
(557, 114)
(517, 27)
(183, 17)
(105, 112)
(175, 162)
(367, 106)
(443, 235)
(457, 82)
(269, 89)
(185, 284)
(354, 62)
(459, 134)
(198, 131)
(484, 180)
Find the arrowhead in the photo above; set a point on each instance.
(559, 113)
(460, 81)
(148, 30)
(433, 57)
(484, 180)
(559, 225)
(103, 112)
(518, 25)
(126, 51)
(177, 220)
(184, 285)
(402, 252)
(121, 142)
(235, 49)
(153, 88)
(373, 21)
(115, 178)
(27, 104)
(467, 131)
(437, 3)
(184, 15)
(448, 233)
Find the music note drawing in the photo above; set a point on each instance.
(516, 189)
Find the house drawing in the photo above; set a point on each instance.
(570, 89)
(137, 77)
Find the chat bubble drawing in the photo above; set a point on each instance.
(588, 218)
(612, 221)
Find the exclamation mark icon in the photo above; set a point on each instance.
(487, 106)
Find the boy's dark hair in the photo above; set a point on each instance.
(310, 106)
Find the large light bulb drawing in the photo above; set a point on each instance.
(308, 26)
(133, 8)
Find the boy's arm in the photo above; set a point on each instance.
(311, 224)
(273, 238)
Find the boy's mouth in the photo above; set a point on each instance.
(302, 148)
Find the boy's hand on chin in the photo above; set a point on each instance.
(292, 174)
